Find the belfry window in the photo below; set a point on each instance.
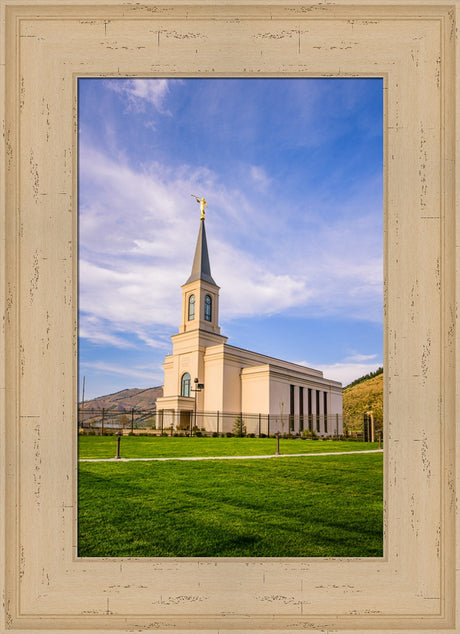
(186, 384)
(191, 307)
(207, 308)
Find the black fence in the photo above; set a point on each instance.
(173, 422)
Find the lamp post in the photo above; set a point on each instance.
(119, 434)
(198, 387)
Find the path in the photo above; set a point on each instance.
(284, 455)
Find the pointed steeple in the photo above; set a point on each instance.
(201, 269)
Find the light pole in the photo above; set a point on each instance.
(277, 443)
(198, 387)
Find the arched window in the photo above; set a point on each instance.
(207, 308)
(185, 385)
(191, 307)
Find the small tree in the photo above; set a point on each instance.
(124, 421)
(239, 428)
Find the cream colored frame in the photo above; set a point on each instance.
(48, 45)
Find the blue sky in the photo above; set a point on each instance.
(292, 173)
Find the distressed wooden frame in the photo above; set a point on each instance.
(47, 45)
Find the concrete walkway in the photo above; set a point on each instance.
(284, 455)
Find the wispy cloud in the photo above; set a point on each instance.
(137, 93)
(143, 372)
(260, 176)
(344, 372)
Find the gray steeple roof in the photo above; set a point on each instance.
(201, 269)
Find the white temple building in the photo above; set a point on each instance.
(209, 384)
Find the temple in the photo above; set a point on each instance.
(209, 384)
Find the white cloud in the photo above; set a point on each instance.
(142, 372)
(344, 371)
(96, 331)
(139, 92)
(259, 176)
(357, 358)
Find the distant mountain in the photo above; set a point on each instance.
(126, 400)
(363, 395)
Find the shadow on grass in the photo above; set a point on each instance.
(291, 508)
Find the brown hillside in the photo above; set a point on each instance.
(126, 400)
(366, 396)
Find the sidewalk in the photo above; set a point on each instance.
(284, 455)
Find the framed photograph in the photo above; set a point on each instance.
(48, 48)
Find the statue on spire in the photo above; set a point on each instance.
(203, 204)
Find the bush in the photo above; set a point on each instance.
(229, 434)
(215, 434)
(198, 433)
(311, 435)
(251, 435)
(262, 435)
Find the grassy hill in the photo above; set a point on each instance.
(126, 400)
(361, 397)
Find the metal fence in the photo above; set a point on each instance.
(106, 420)
(171, 422)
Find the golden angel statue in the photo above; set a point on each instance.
(203, 204)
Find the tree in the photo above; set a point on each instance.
(124, 421)
(239, 428)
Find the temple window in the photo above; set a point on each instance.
(185, 385)
(207, 308)
(191, 307)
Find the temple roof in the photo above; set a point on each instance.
(201, 269)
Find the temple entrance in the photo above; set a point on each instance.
(185, 419)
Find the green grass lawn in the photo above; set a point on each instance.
(328, 506)
(165, 446)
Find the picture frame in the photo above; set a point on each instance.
(48, 45)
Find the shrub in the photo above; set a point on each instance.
(229, 434)
(198, 433)
(251, 435)
(262, 435)
(215, 434)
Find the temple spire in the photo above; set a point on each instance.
(201, 269)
